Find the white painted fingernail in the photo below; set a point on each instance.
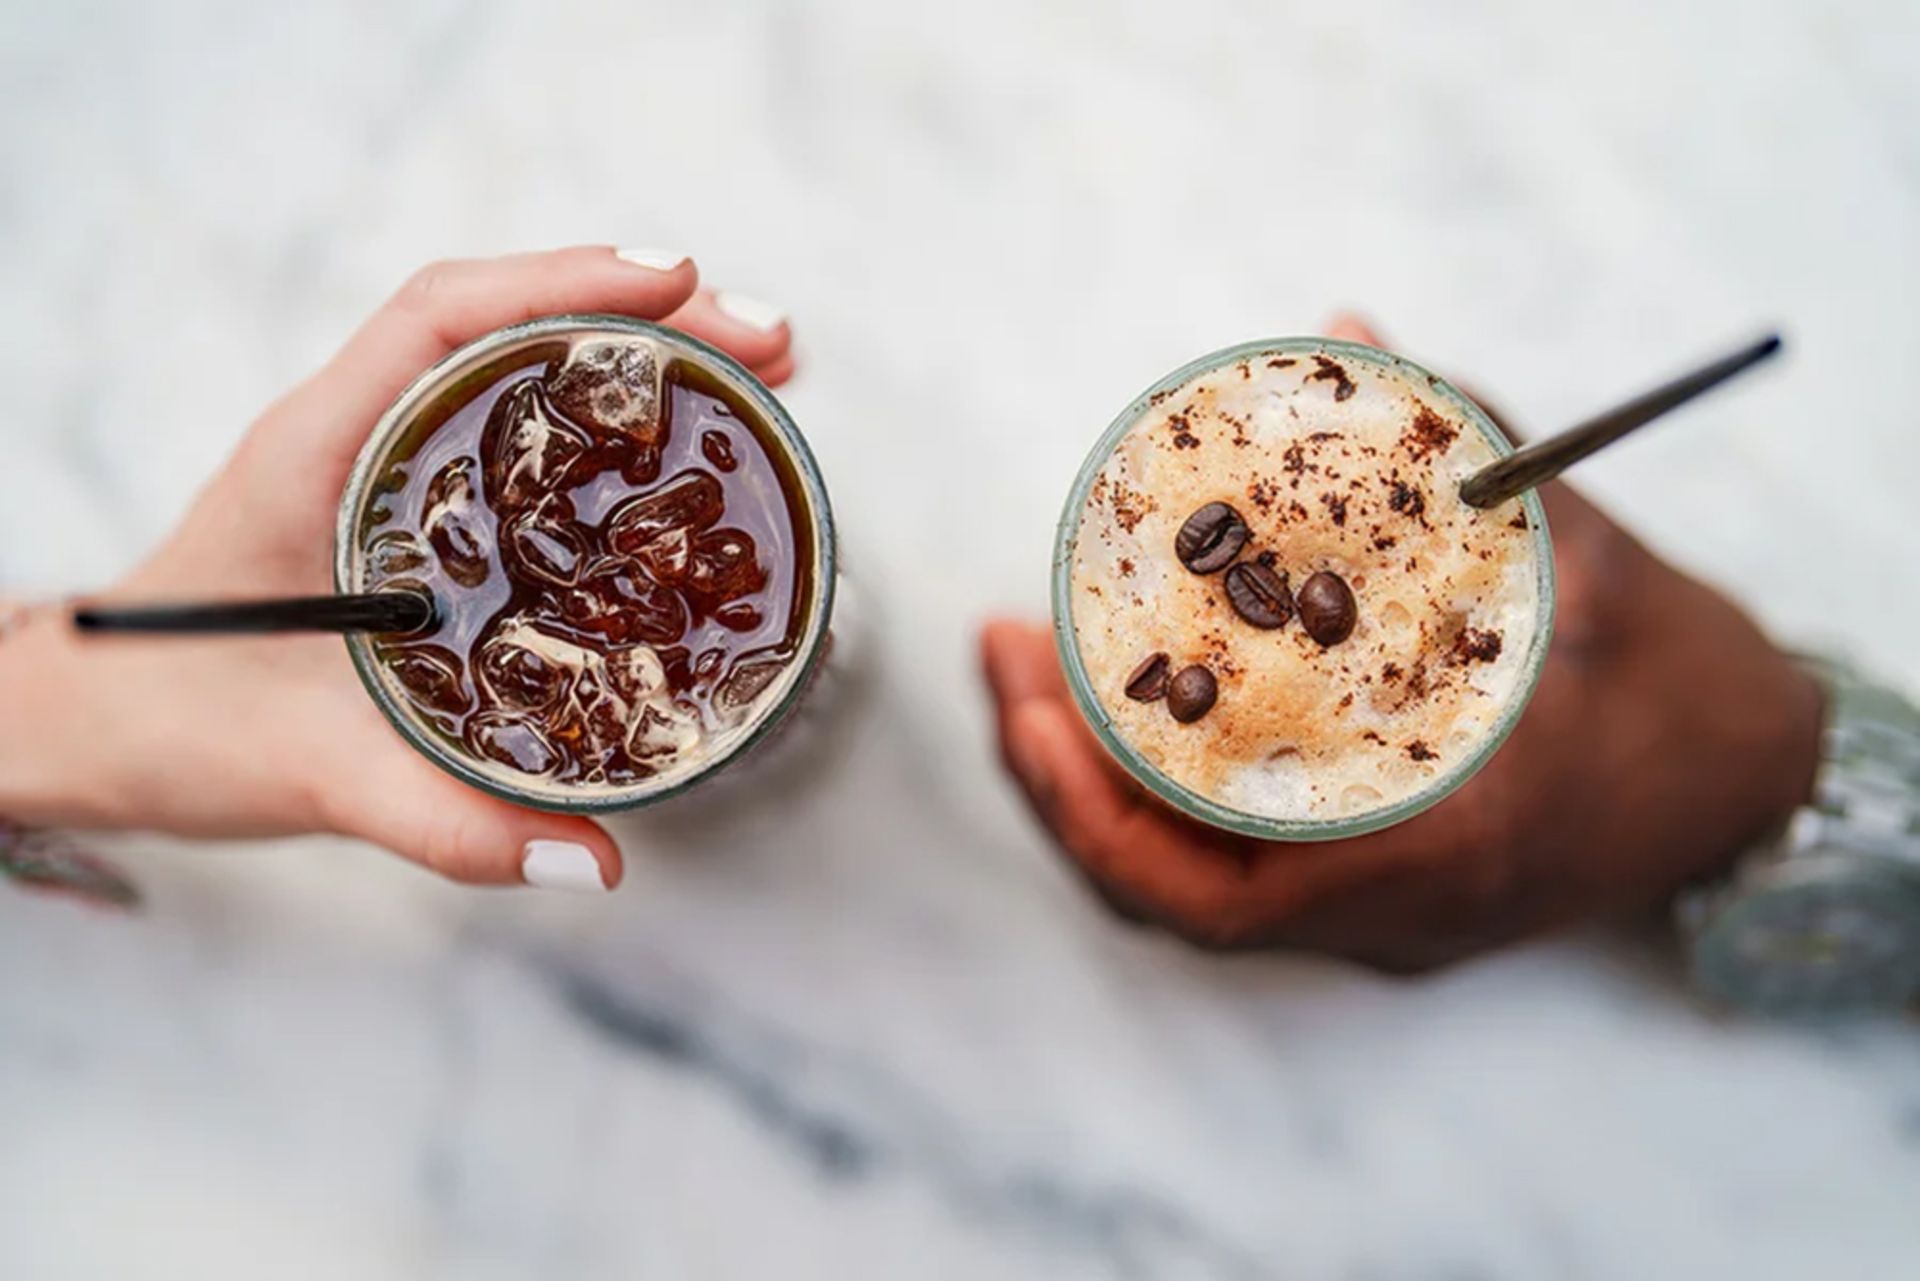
(562, 865)
(657, 259)
(750, 312)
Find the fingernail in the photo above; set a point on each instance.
(657, 259)
(750, 312)
(562, 865)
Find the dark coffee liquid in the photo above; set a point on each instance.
(619, 551)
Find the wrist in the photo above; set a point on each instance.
(1777, 763)
(48, 711)
(1786, 769)
(1824, 916)
(1803, 718)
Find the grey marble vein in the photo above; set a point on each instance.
(853, 1124)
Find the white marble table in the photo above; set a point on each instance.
(887, 1036)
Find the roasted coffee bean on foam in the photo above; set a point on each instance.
(1149, 680)
(1191, 693)
(1210, 538)
(1259, 594)
(1327, 608)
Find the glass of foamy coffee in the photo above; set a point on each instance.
(630, 553)
(1272, 605)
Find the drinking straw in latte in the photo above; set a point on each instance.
(1540, 462)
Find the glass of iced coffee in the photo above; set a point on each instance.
(630, 552)
(1271, 604)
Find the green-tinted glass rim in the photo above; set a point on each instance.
(1149, 775)
(419, 391)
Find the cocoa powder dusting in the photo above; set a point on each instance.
(1130, 506)
(1183, 437)
(1428, 433)
(1406, 499)
(1331, 370)
(1474, 645)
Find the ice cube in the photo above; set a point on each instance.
(622, 606)
(639, 465)
(512, 740)
(691, 501)
(392, 555)
(454, 525)
(668, 558)
(552, 551)
(718, 450)
(613, 386)
(526, 451)
(750, 677)
(524, 668)
(638, 673)
(724, 568)
(738, 617)
(602, 709)
(677, 662)
(662, 730)
(431, 677)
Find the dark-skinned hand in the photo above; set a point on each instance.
(1667, 734)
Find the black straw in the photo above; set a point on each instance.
(1541, 462)
(372, 612)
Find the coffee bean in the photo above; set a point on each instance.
(1190, 694)
(1149, 680)
(1327, 610)
(1211, 538)
(1259, 594)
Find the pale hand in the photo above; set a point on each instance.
(274, 735)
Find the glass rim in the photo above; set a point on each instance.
(1183, 798)
(813, 645)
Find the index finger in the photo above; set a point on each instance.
(1146, 855)
(1208, 883)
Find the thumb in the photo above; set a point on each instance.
(475, 839)
(1345, 325)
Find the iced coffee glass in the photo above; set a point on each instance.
(1271, 605)
(631, 554)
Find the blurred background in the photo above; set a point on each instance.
(882, 1032)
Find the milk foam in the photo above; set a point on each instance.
(1336, 463)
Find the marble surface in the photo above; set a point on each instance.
(882, 1033)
